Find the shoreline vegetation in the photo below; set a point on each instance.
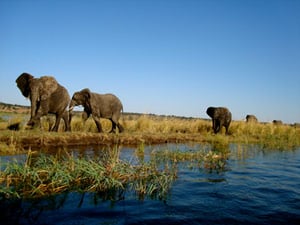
(44, 174)
(147, 129)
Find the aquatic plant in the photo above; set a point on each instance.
(43, 175)
(268, 135)
(205, 157)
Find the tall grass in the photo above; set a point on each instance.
(45, 175)
(269, 136)
(157, 129)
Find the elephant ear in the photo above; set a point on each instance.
(86, 97)
(210, 111)
(86, 93)
(23, 82)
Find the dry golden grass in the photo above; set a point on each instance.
(148, 129)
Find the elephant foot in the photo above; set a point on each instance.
(100, 131)
(33, 123)
(68, 130)
(54, 129)
(30, 123)
(121, 129)
(112, 131)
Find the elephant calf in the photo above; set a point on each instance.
(221, 116)
(99, 106)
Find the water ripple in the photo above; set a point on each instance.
(262, 187)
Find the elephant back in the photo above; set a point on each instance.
(218, 112)
(106, 103)
(48, 86)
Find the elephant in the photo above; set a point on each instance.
(106, 106)
(46, 96)
(251, 119)
(221, 116)
(277, 122)
(296, 125)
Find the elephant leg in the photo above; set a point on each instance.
(41, 110)
(98, 124)
(67, 120)
(115, 122)
(85, 116)
(56, 125)
(213, 124)
(217, 126)
(113, 126)
(70, 116)
(120, 127)
(67, 124)
(227, 129)
(50, 122)
(34, 123)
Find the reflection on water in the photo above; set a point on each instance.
(257, 187)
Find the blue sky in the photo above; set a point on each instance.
(172, 57)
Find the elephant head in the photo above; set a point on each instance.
(46, 96)
(99, 106)
(81, 98)
(36, 87)
(221, 116)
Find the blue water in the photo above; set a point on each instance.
(257, 187)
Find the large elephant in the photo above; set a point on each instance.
(251, 119)
(221, 116)
(106, 106)
(46, 96)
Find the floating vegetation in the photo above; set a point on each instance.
(205, 157)
(44, 175)
(152, 175)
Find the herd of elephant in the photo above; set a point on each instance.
(48, 96)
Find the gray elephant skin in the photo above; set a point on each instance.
(46, 96)
(106, 106)
(251, 119)
(220, 116)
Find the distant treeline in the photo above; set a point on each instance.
(6, 107)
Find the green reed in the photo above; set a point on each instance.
(44, 175)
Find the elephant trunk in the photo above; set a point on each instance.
(72, 104)
(71, 107)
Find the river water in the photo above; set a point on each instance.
(257, 187)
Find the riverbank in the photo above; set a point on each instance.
(142, 129)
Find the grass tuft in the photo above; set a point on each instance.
(43, 175)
